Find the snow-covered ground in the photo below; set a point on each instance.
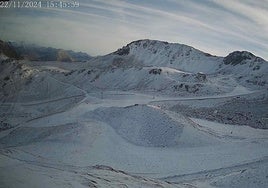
(142, 140)
(140, 118)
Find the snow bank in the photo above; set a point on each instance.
(148, 126)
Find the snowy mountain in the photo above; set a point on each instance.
(177, 56)
(185, 58)
(151, 114)
(172, 69)
(248, 69)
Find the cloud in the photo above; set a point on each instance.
(100, 26)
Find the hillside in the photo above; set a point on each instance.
(39, 53)
(172, 69)
(151, 114)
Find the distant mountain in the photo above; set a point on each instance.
(149, 66)
(246, 68)
(151, 114)
(38, 53)
(186, 58)
(146, 66)
(164, 66)
(8, 50)
(179, 56)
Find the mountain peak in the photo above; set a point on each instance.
(240, 57)
(143, 43)
(156, 47)
(152, 46)
(147, 42)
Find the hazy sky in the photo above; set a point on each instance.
(102, 26)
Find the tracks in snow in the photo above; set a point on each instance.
(208, 174)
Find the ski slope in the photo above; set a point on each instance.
(89, 135)
(151, 114)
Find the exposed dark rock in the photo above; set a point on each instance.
(6, 78)
(238, 57)
(123, 51)
(201, 76)
(7, 49)
(155, 71)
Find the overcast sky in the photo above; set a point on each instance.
(102, 26)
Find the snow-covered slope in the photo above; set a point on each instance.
(145, 66)
(170, 69)
(149, 126)
(248, 69)
(178, 56)
(28, 93)
(151, 114)
(23, 83)
(141, 140)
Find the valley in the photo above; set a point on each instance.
(151, 114)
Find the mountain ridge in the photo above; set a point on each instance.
(121, 50)
(173, 54)
(33, 52)
(173, 69)
(244, 66)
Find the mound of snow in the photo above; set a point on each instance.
(141, 125)
(149, 126)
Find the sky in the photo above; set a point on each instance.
(99, 27)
